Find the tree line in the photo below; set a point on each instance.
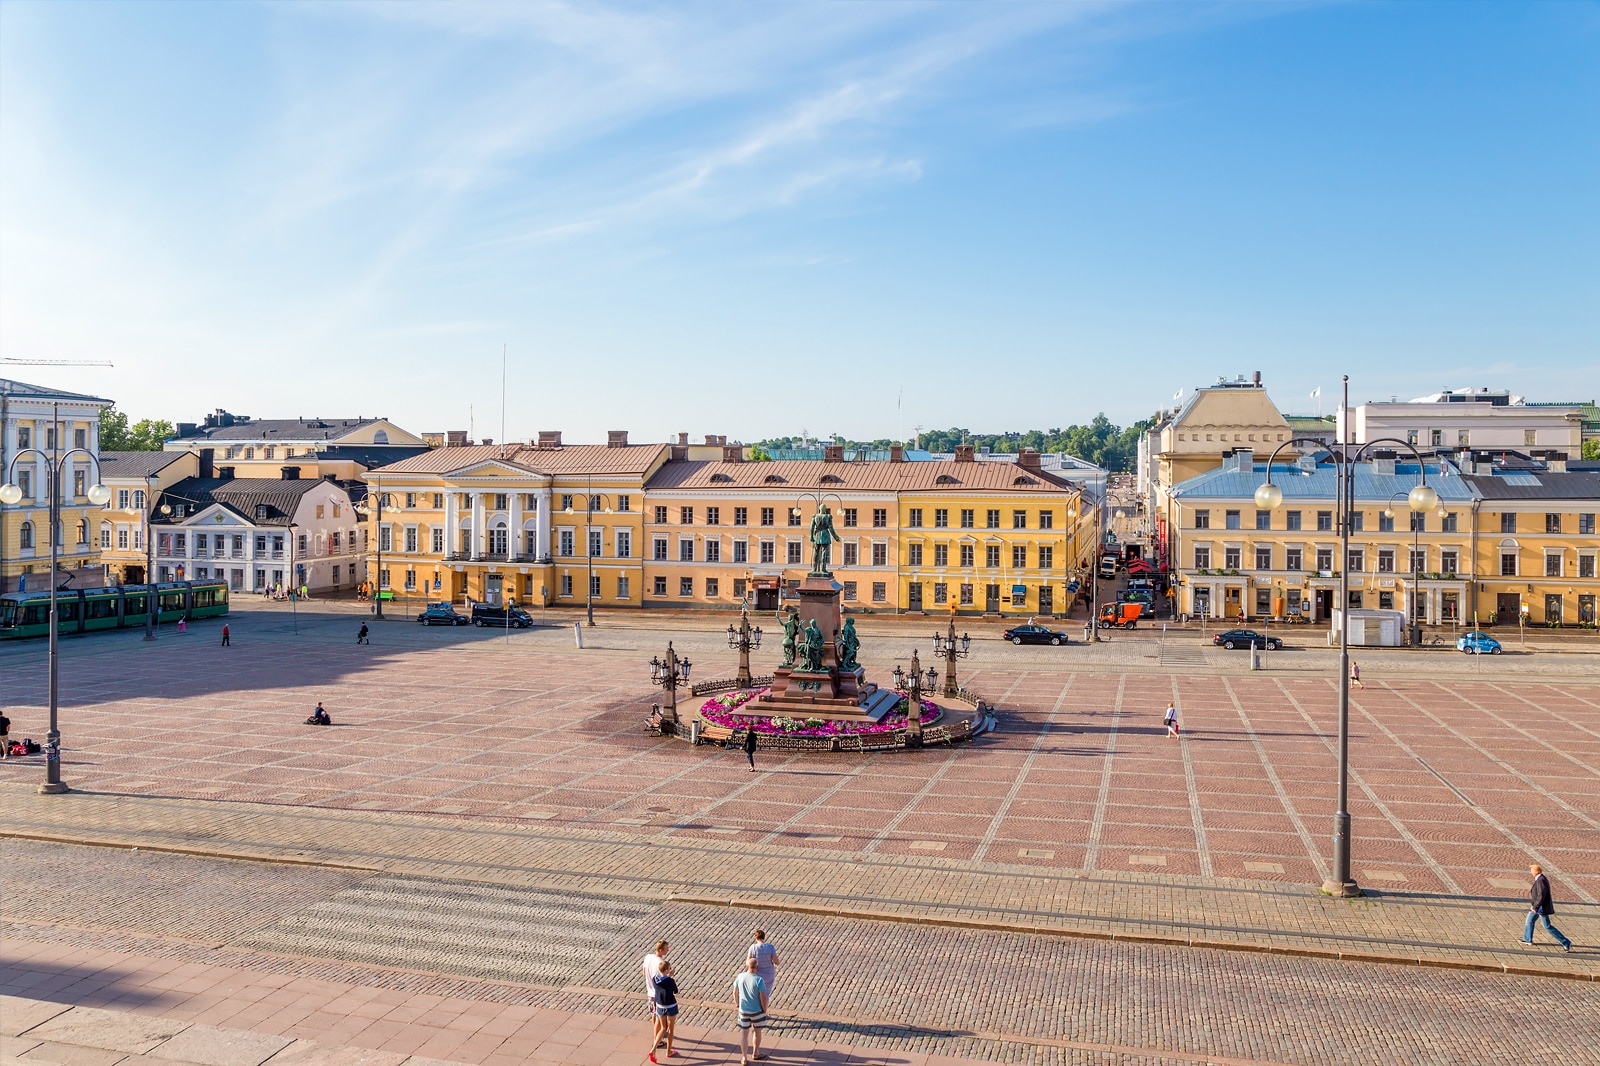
(145, 435)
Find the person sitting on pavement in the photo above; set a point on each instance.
(319, 717)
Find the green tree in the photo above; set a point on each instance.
(146, 435)
(1591, 449)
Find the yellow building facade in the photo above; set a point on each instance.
(1538, 552)
(122, 527)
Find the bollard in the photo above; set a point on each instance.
(694, 731)
(577, 633)
(1255, 657)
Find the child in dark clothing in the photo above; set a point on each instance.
(666, 1009)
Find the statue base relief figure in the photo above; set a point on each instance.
(816, 686)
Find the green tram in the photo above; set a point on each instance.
(27, 614)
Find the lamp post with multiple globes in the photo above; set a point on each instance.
(666, 673)
(946, 645)
(743, 639)
(914, 683)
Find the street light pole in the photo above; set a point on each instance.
(667, 673)
(743, 639)
(374, 507)
(913, 683)
(149, 562)
(946, 645)
(588, 552)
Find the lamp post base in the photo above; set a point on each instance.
(1341, 889)
(53, 788)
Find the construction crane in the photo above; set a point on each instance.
(57, 362)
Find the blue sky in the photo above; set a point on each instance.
(758, 219)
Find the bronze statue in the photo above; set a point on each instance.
(790, 620)
(822, 541)
(849, 646)
(811, 651)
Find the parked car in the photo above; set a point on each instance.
(1031, 634)
(441, 614)
(487, 614)
(1122, 615)
(1243, 638)
(1477, 642)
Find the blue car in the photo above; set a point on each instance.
(1477, 642)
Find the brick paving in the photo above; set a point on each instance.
(501, 983)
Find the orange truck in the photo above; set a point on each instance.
(1121, 615)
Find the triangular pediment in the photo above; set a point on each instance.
(492, 468)
(216, 516)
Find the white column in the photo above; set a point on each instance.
(514, 526)
(477, 524)
(41, 471)
(542, 523)
(452, 519)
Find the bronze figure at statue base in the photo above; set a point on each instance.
(814, 684)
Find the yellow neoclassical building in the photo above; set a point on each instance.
(1537, 545)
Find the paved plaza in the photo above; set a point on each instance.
(489, 822)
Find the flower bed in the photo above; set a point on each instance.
(723, 711)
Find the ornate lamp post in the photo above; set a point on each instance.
(945, 644)
(11, 493)
(374, 505)
(1268, 497)
(743, 640)
(914, 683)
(667, 673)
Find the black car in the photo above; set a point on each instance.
(1031, 634)
(441, 614)
(1243, 638)
(486, 614)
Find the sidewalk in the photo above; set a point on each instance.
(1451, 931)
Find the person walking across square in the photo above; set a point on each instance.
(361, 637)
(666, 1011)
(1541, 906)
(652, 969)
(1172, 719)
(227, 635)
(750, 997)
(1355, 674)
(766, 960)
(750, 747)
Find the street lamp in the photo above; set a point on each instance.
(667, 673)
(365, 508)
(743, 640)
(1268, 497)
(589, 502)
(11, 493)
(945, 644)
(913, 683)
(1414, 590)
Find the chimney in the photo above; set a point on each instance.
(1256, 379)
(1556, 462)
(833, 453)
(1383, 463)
(966, 453)
(455, 438)
(716, 440)
(732, 453)
(1239, 459)
(291, 473)
(206, 457)
(683, 440)
(225, 472)
(549, 438)
(678, 452)
(487, 440)
(897, 453)
(617, 438)
(187, 429)
(1028, 459)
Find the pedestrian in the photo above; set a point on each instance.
(226, 634)
(652, 969)
(1172, 719)
(319, 716)
(5, 737)
(1355, 674)
(750, 996)
(305, 593)
(750, 747)
(361, 637)
(183, 625)
(766, 960)
(666, 1011)
(1540, 905)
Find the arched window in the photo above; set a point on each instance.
(381, 437)
(83, 531)
(25, 538)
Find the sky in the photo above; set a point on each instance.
(763, 219)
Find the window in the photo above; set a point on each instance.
(138, 499)
(24, 437)
(411, 538)
(766, 516)
(966, 595)
(660, 586)
(1419, 560)
(122, 499)
(768, 552)
(105, 535)
(991, 556)
(1436, 437)
(941, 518)
(1358, 521)
(1019, 599)
(566, 505)
(438, 501)
(794, 552)
(880, 554)
(1385, 560)
(1019, 556)
(1508, 564)
(1412, 436)
(1419, 522)
(386, 538)
(913, 555)
(1586, 567)
(594, 585)
(991, 519)
(968, 518)
(685, 549)
(661, 513)
(595, 545)
(1292, 519)
(1357, 560)
(741, 516)
(80, 483)
(941, 592)
(1263, 558)
(914, 518)
(1448, 563)
(941, 555)
(741, 551)
(880, 518)
(1586, 524)
(1529, 437)
(1552, 564)
(850, 516)
(1047, 557)
(1385, 522)
(794, 516)
(319, 510)
(1202, 518)
(1552, 523)
(80, 438)
(411, 497)
(1047, 520)
(438, 543)
(851, 553)
(25, 483)
(1508, 522)
(713, 516)
(623, 504)
(1230, 558)
(880, 591)
(1263, 519)
(713, 587)
(1230, 519)
(1019, 519)
(1325, 521)
(566, 584)
(713, 550)
(50, 438)
(686, 516)
(568, 545)
(122, 536)
(658, 548)
(967, 554)
(1292, 558)
(686, 586)
(624, 544)
(1202, 558)
(849, 590)
(1324, 560)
